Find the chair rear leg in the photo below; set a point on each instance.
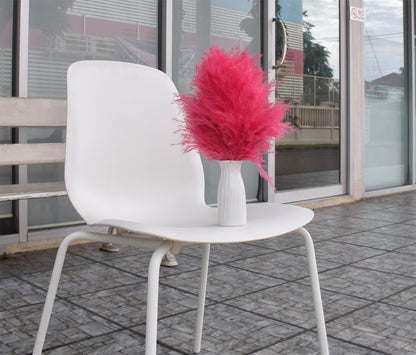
(316, 292)
(201, 298)
(50, 297)
(153, 297)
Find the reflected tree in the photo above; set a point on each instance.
(316, 56)
(316, 88)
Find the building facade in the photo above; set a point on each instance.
(347, 72)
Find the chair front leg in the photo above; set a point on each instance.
(201, 297)
(53, 286)
(152, 297)
(316, 292)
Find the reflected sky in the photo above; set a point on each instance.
(383, 38)
(324, 15)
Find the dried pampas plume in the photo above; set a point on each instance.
(228, 116)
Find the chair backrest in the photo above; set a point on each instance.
(123, 160)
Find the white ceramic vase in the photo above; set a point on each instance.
(231, 196)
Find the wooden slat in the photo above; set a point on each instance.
(26, 191)
(24, 112)
(17, 154)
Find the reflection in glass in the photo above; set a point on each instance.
(197, 25)
(6, 38)
(62, 32)
(6, 174)
(386, 118)
(309, 81)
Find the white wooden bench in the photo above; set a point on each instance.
(24, 112)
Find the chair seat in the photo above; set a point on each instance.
(264, 220)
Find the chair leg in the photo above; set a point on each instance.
(316, 291)
(201, 298)
(152, 298)
(50, 297)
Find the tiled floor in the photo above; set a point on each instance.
(258, 298)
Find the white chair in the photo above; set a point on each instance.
(124, 169)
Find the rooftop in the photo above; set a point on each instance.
(258, 297)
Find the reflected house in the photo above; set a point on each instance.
(125, 33)
(290, 74)
(124, 30)
(389, 86)
(385, 152)
(314, 101)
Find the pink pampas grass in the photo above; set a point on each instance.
(228, 116)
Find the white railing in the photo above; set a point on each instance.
(314, 116)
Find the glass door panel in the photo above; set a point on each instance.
(61, 33)
(386, 115)
(7, 225)
(198, 25)
(309, 80)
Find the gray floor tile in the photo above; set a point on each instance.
(379, 326)
(385, 216)
(292, 303)
(15, 293)
(408, 199)
(287, 241)
(30, 262)
(400, 229)
(227, 330)
(139, 264)
(356, 223)
(126, 305)
(410, 249)
(369, 284)
(259, 295)
(401, 209)
(350, 209)
(394, 263)
(376, 240)
(405, 299)
(224, 253)
(306, 343)
(18, 327)
(320, 232)
(224, 282)
(121, 342)
(339, 252)
(283, 265)
(92, 251)
(82, 279)
(411, 221)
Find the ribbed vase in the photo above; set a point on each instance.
(231, 196)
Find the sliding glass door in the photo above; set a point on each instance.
(386, 101)
(197, 25)
(309, 79)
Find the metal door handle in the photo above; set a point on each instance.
(280, 58)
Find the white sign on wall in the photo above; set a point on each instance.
(357, 14)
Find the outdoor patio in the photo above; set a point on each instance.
(258, 298)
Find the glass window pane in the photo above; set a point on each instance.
(198, 25)
(51, 211)
(309, 80)
(6, 38)
(62, 32)
(386, 117)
